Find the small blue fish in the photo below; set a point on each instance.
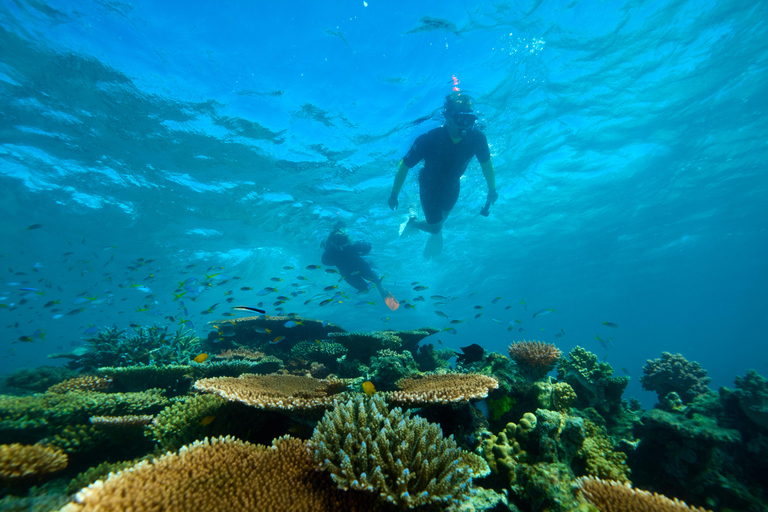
(607, 324)
(290, 324)
(543, 312)
(440, 313)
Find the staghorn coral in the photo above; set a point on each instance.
(179, 423)
(24, 462)
(100, 471)
(84, 383)
(147, 345)
(535, 359)
(404, 459)
(222, 474)
(611, 496)
(274, 392)
(674, 373)
(442, 389)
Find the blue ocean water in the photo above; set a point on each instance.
(629, 140)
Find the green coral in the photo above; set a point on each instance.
(593, 382)
(364, 345)
(428, 359)
(78, 439)
(325, 352)
(180, 423)
(35, 416)
(503, 451)
(98, 472)
(147, 345)
(598, 457)
(389, 366)
(500, 406)
(752, 393)
(405, 459)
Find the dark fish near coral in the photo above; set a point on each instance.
(248, 308)
(472, 354)
(34, 226)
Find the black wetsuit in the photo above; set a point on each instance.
(348, 259)
(444, 163)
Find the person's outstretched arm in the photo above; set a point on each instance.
(402, 172)
(490, 179)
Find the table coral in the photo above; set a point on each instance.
(672, 372)
(274, 392)
(611, 496)
(403, 458)
(442, 389)
(179, 423)
(82, 383)
(223, 474)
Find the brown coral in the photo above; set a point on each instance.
(611, 496)
(240, 353)
(20, 462)
(274, 392)
(129, 421)
(442, 389)
(223, 474)
(563, 396)
(84, 383)
(534, 358)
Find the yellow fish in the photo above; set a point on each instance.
(207, 420)
(201, 358)
(368, 388)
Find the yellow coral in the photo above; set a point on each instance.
(611, 496)
(222, 474)
(563, 395)
(599, 457)
(19, 462)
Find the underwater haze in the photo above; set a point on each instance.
(158, 158)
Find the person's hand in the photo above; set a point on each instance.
(392, 202)
(492, 196)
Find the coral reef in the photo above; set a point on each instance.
(274, 392)
(147, 345)
(672, 372)
(389, 366)
(180, 423)
(598, 457)
(428, 359)
(502, 451)
(752, 392)
(30, 418)
(404, 459)
(593, 382)
(362, 346)
(23, 462)
(441, 389)
(239, 353)
(222, 474)
(131, 421)
(534, 359)
(82, 383)
(251, 331)
(38, 379)
(611, 496)
(325, 352)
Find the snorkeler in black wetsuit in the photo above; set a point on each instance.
(341, 253)
(446, 152)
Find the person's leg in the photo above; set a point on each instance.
(435, 242)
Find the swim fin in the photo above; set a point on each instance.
(434, 245)
(390, 299)
(408, 228)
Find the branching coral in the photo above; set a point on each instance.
(364, 345)
(674, 373)
(131, 421)
(611, 496)
(442, 389)
(274, 392)
(404, 459)
(593, 382)
(389, 366)
(534, 358)
(180, 423)
(326, 352)
(21, 462)
(83, 383)
(222, 474)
